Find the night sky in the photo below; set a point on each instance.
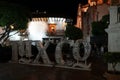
(62, 7)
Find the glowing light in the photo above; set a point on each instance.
(94, 2)
(11, 26)
(37, 30)
(14, 36)
(85, 9)
(52, 28)
(38, 27)
(100, 2)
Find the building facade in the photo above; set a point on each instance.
(47, 26)
(93, 11)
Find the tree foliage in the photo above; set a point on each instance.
(13, 14)
(12, 17)
(98, 27)
(73, 32)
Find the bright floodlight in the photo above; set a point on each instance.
(37, 30)
(14, 35)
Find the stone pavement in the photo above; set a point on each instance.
(14, 71)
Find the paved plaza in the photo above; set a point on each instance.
(15, 71)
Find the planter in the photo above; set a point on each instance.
(112, 76)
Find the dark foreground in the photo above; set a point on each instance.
(14, 71)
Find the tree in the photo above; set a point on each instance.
(98, 27)
(12, 17)
(73, 32)
(98, 30)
